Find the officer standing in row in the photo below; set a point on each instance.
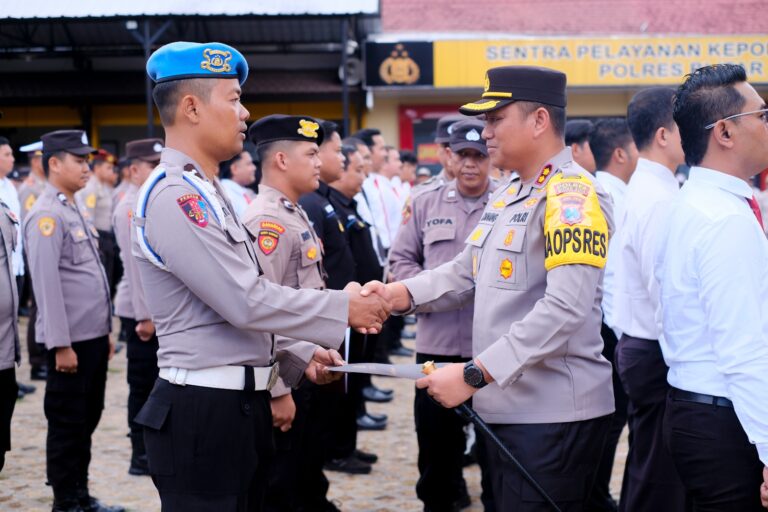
(97, 198)
(130, 305)
(535, 263)
(10, 355)
(74, 317)
(441, 219)
(208, 424)
(291, 254)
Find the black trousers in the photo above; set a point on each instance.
(601, 500)
(650, 480)
(440, 434)
(562, 457)
(719, 467)
(8, 394)
(38, 354)
(208, 449)
(142, 374)
(349, 397)
(107, 248)
(296, 479)
(73, 404)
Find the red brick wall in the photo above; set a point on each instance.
(570, 17)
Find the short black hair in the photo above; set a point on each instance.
(607, 135)
(166, 95)
(556, 114)
(47, 156)
(409, 157)
(706, 96)
(353, 141)
(329, 128)
(577, 131)
(225, 167)
(4, 142)
(347, 150)
(366, 135)
(649, 110)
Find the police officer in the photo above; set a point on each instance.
(130, 304)
(291, 254)
(29, 191)
(535, 263)
(74, 317)
(443, 138)
(10, 354)
(208, 421)
(441, 219)
(97, 198)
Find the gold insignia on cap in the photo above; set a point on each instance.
(308, 129)
(216, 61)
(487, 83)
(46, 225)
(486, 105)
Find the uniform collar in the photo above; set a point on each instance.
(346, 201)
(176, 159)
(323, 189)
(451, 192)
(270, 194)
(656, 169)
(720, 180)
(550, 166)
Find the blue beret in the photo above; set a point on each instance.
(182, 60)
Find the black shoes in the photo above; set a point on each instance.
(38, 373)
(90, 504)
(66, 506)
(401, 352)
(374, 394)
(368, 458)
(365, 422)
(351, 465)
(378, 417)
(26, 388)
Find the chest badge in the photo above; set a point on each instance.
(312, 253)
(510, 236)
(506, 268)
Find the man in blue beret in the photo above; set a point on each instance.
(208, 421)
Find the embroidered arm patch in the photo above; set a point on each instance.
(269, 236)
(194, 208)
(575, 228)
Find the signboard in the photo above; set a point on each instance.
(401, 64)
(588, 62)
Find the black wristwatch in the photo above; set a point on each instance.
(473, 375)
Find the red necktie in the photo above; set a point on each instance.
(756, 210)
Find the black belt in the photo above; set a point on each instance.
(699, 398)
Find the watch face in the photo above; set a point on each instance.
(473, 376)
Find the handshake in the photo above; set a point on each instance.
(371, 305)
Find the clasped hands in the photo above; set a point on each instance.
(371, 305)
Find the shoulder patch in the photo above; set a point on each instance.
(194, 208)
(575, 228)
(90, 200)
(46, 225)
(269, 236)
(30, 202)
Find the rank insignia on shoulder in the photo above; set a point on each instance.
(287, 204)
(312, 253)
(62, 198)
(194, 208)
(575, 228)
(546, 171)
(46, 225)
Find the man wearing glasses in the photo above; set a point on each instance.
(710, 264)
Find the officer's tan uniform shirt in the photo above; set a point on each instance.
(129, 299)
(288, 250)
(9, 299)
(29, 191)
(211, 307)
(538, 330)
(439, 222)
(97, 198)
(70, 286)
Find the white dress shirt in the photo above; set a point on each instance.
(239, 196)
(364, 210)
(712, 267)
(649, 193)
(10, 196)
(618, 190)
(385, 207)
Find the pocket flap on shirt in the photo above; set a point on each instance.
(439, 234)
(235, 232)
(310, 253)
(153, 414)
(513, 239)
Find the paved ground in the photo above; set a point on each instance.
(390, 487)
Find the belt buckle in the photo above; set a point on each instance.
(273, 375)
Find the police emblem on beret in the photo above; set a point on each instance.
(216, 61)
(472, 135)
(308, 129)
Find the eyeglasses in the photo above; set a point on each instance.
(762, 112)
